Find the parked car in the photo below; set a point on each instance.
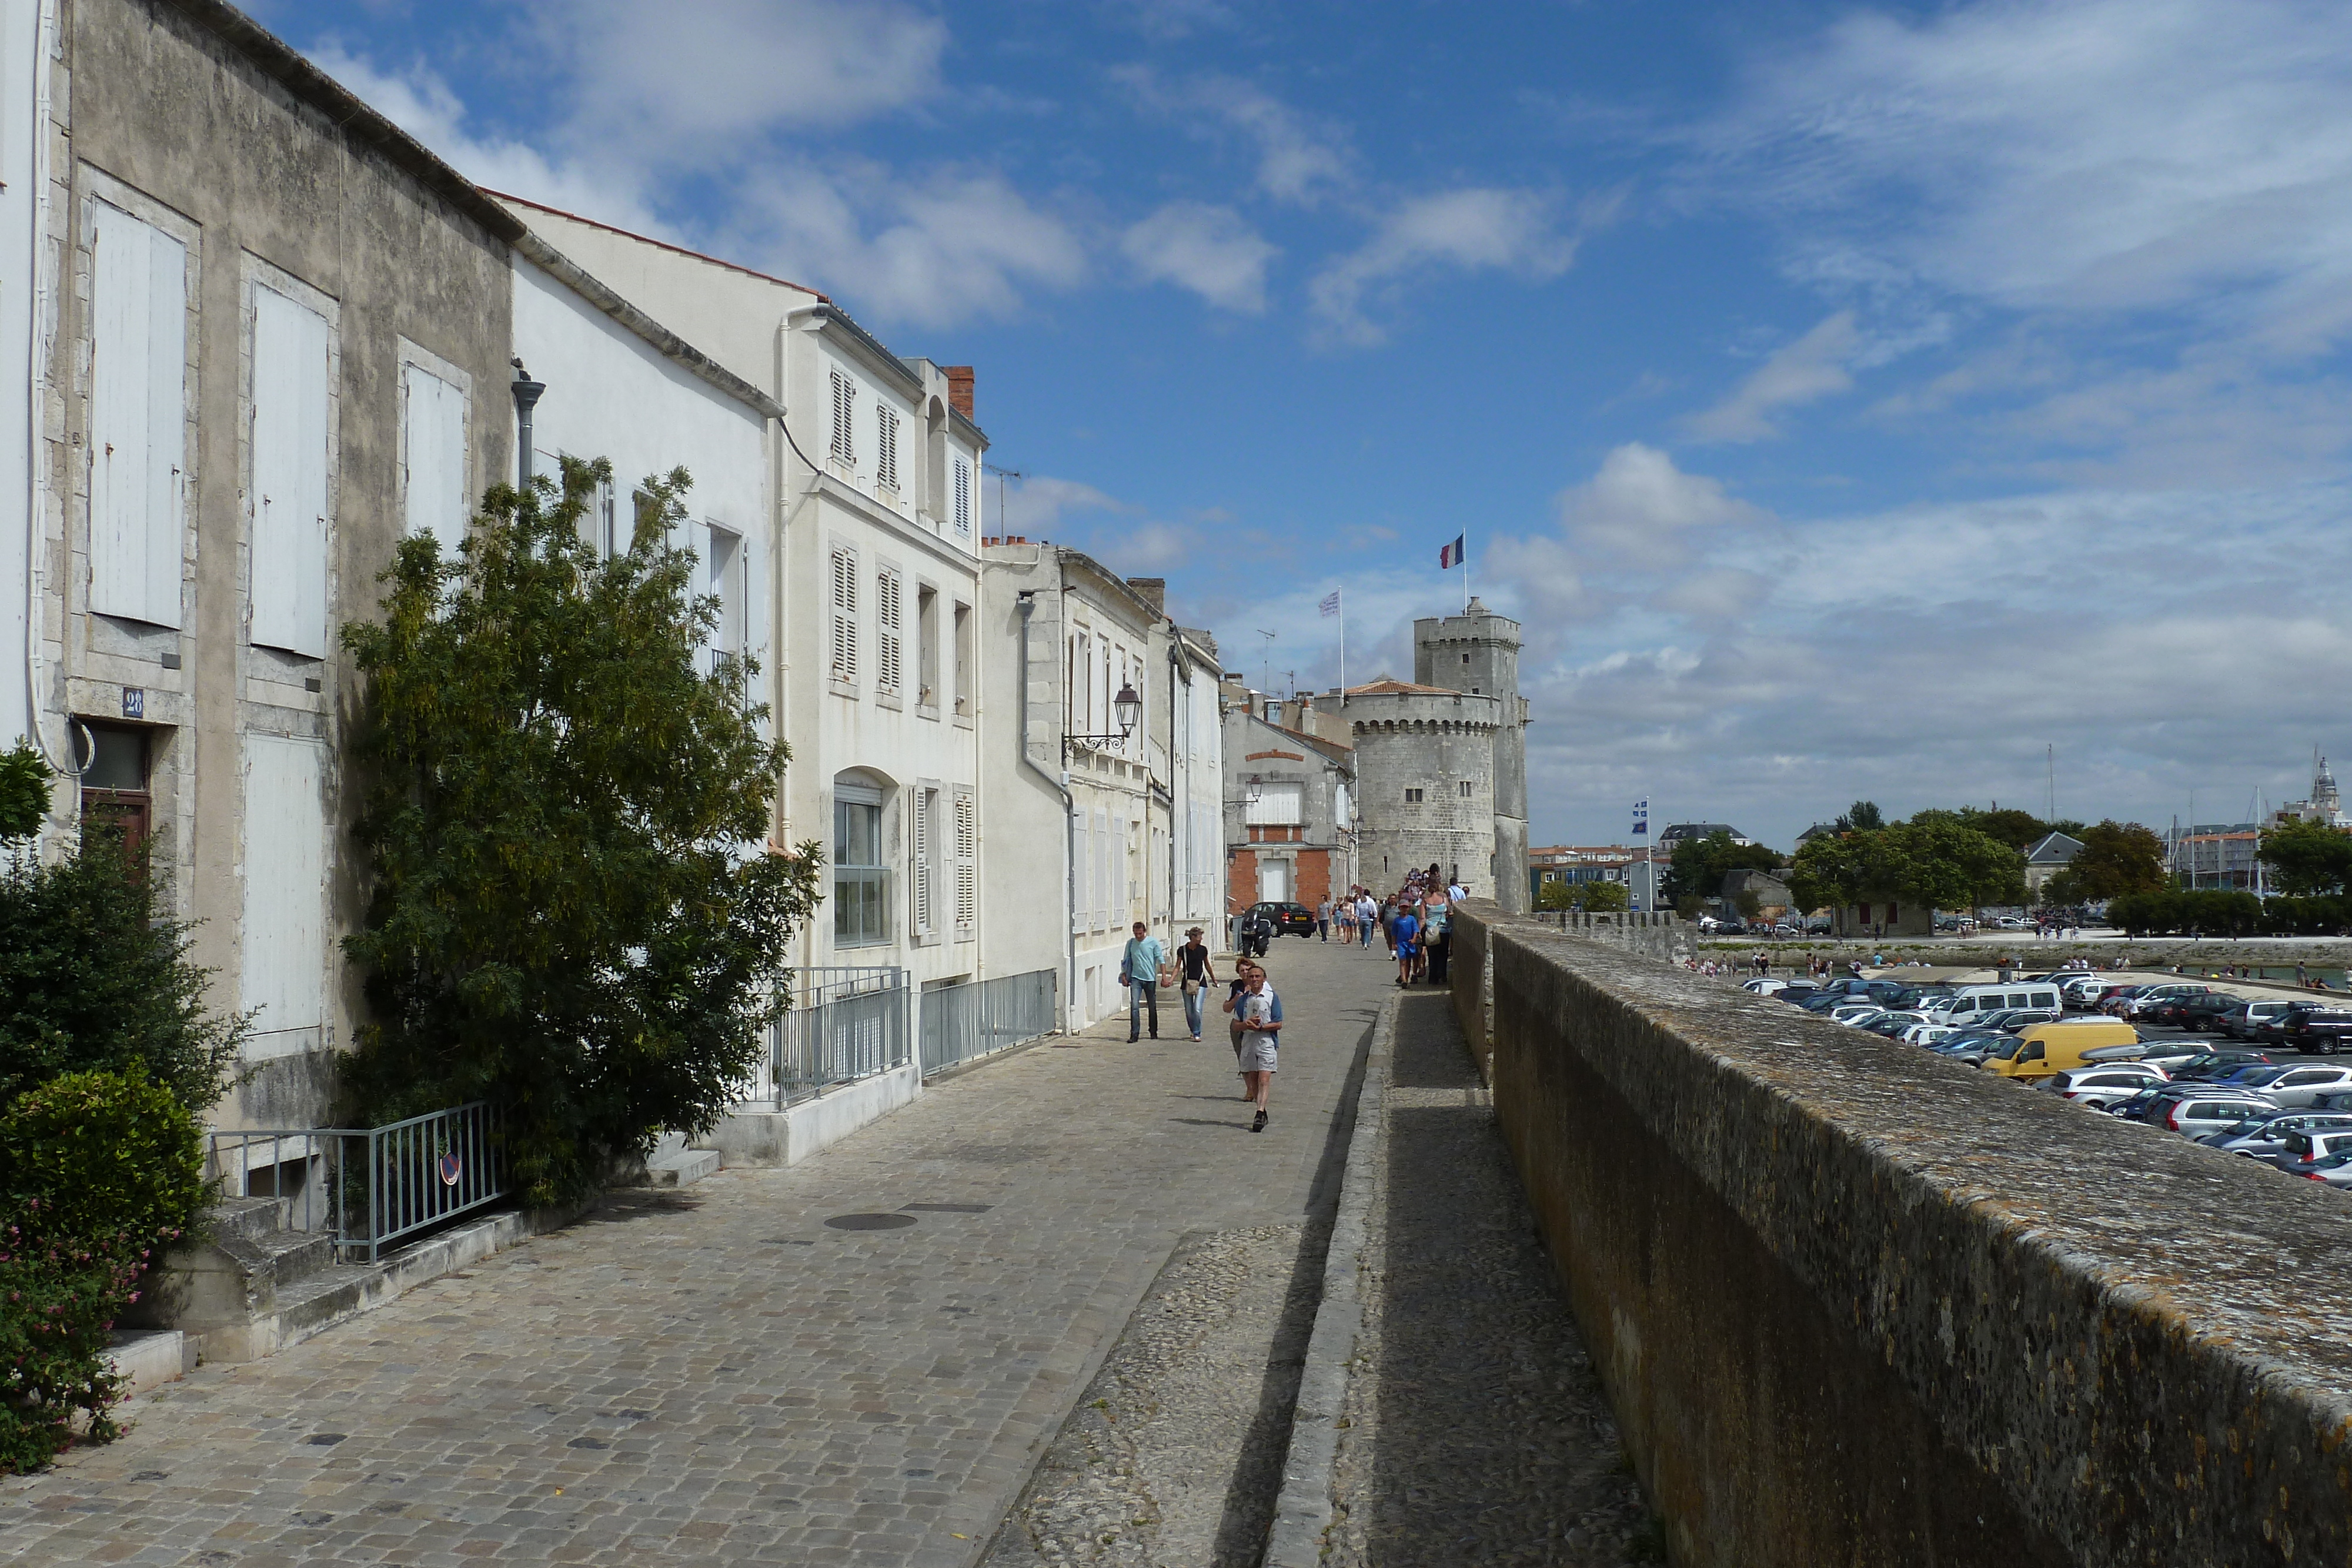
(2293, 1085)
(1891, 1024)
(1970, 1046)
(2104, 1086)
(2151, 997)
(2299, 1153)
(1855, 1014)
(1764, 986)
(2316, 1031)
(2190, 1059)
(2195, 1110)
(2241, 1022)
(1290, 919)
(2045, 1048)
(2191, 1012)
(1928, 1033)
(2335, 1169)
(2262, 1137)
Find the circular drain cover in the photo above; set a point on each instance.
(870, 1221)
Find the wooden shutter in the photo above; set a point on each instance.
(283, 935)
(433, 458)
(138, 416)
(289, 500)
(845, 615)
(1104, 873)
(889, 592)
(926, 847)
(845, 399)
(963, 499)
(967, 864)
(1081, 893)
(886, 448)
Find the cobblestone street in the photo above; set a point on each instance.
(720, 1377)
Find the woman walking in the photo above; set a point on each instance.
(1261, 1015)
(1194, 975)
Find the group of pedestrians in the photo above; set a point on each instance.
(1253, 1009)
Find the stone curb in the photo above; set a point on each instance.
(1303, 1512)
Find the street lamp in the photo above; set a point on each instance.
(526, 398)
(1128, 710)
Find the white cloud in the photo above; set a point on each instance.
(2100, 154)
(655, 83)
(1474, 229)
(1037, 504)
(1640, 508)
(1812, 367)
(1209, 250)
(1299, 160)
(421, 103)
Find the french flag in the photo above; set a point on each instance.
(1450, 556)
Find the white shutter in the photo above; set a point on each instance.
(926, 801)
(967, 864)
(434, 458)
(963, 499)
(844, 400)
(1103, 870)
(138, 416)
(1081, 887)
(288, 501)
(283, 935)
(889, 590)
(845, 615)
(1281, 802)
(886, 449)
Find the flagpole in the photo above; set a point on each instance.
(1465, 569)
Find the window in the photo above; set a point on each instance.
(432, 460)
(845, 403)
(289, 498)
(114, 781)
(1081, 876)
(844, 665)
(723, 576)
(599, 524)
(138, 416)
(963, 661)
(886, 448)
(967, 864)
(283, 938)
(1281, 802)
(926, 647)
(924, 912)
(889, 590)
(1465, 788)
(1412, 796)
(861, 883)
(963, 499)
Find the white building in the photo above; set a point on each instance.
(1186, 730)
(1082, 799)
(875, 677)
(22, 305)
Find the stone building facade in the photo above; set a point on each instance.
(1442, 760)
(1289, 808)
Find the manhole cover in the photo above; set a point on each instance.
(870, 1221)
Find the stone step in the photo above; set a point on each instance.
(681, 1168)
(245, 1217)
(145, 1358)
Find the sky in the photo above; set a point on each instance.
(1920, 403)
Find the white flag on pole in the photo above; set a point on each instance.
(1330, 605)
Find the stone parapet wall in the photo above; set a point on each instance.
(1856, 1304)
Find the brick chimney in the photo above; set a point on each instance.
(1152, 590)
(960, 388)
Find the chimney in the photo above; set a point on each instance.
(960, 388)
(1152, 590)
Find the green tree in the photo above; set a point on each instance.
(1603, 897)
(2008, 825)
(24, 790)
(1555, 894)
(2116, 858)
(572, 914)
(1932, 859)
(1697, 869)
(1861, 817)
(2307, 858)
(95, 976)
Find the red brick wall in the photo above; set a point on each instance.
(1314, 876)
(1241, 879)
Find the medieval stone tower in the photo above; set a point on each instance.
(1479, 651)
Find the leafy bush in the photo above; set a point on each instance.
(571, 913)
(95, 976)
(24, 790)
(99, 1171)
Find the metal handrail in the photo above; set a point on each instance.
(371, 1185)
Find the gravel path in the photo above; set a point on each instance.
(1475, 1429)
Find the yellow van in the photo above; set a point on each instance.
(2047, 1049)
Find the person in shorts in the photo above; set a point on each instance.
(1242, 969)
(1261, 1015)
(1402, 938)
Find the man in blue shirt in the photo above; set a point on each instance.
(1139, 970)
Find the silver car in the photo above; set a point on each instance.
(2101, 1087)
(2266, 1137)
(2288, 1085)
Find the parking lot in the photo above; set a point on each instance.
(2259, 1070)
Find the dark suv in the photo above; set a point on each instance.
(2316, 1031)
(1287, 919)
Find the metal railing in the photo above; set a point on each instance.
(961, 1022)
(369, 1187)
(846, 1023)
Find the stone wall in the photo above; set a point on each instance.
(1856, 1304)
(1435, 745)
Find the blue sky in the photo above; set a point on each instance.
(1852, 401)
